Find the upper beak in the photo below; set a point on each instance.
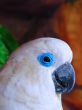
(64, 78)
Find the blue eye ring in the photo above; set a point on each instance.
(46, 59)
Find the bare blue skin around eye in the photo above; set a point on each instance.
(44, 63)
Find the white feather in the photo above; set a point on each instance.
(27, 85)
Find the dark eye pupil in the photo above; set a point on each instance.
(46, 59)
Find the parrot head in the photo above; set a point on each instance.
(36, 75)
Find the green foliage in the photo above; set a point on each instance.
(7, 45)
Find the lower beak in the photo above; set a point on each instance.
(64, 78)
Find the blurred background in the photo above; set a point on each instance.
(30, 19)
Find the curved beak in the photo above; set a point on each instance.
(64, 78)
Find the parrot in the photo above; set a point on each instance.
(36, 75)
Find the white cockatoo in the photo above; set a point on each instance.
(36, 75)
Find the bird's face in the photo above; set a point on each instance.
(46, 71)
(52, 58)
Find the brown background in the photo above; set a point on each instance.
(30, 19)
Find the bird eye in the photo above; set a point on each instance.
(46, 59)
